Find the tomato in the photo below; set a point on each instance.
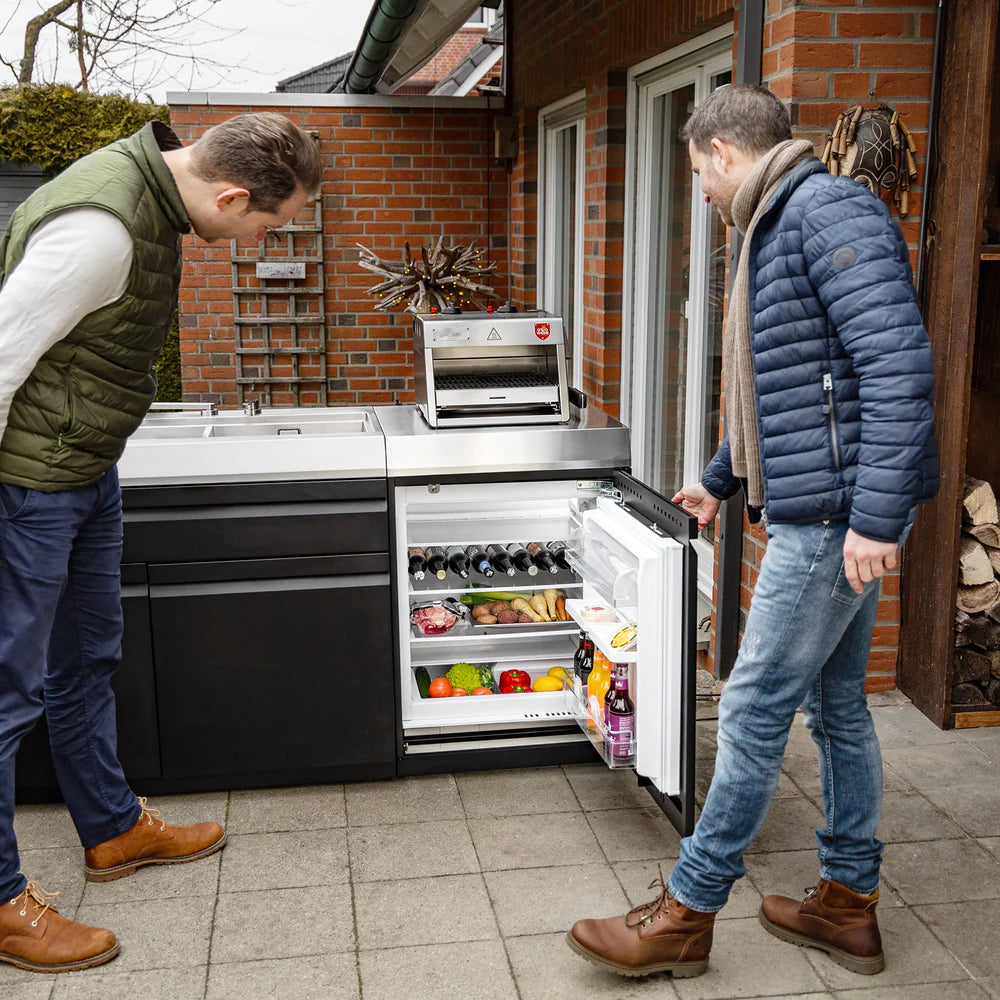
(458, 692)
(481, 690)
(440, 687)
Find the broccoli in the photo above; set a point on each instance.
(464, 675)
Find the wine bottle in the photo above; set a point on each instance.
(519, 556)
(418, 563)
(542, 558)
(558, 550)
(437, 562)
(476, 555)
(499, 559)
(458, 561)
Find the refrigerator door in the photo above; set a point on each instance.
(649, 594)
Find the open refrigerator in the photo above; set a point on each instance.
(628, 549)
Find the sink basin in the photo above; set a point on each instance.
(269, 423)
(232, 446)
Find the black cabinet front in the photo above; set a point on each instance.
(261, 676)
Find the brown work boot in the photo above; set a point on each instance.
(151, 842)
(832, 918)
(661, 936)
(34, 936)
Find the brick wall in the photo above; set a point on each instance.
(444, 61)
(395, 172)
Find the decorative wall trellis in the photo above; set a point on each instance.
(279, 319)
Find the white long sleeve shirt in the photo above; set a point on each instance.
(74, 263)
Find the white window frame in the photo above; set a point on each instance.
(697, 61)
(487, 18)
(552, 120)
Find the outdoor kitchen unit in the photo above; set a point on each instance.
(488, 368)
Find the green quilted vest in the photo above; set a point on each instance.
(70, 419)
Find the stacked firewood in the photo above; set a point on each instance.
(976, 678)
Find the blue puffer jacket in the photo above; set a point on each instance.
(843, 369)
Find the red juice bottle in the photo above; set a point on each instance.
(620, 714)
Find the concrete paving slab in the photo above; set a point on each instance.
(541, 900)
(910, 816)
(282, 923)
(46, 825)
(516, 792)
(634, 834)
(420, 911)
(284, 809)
(747, 962)
(969, 931)
(943, 765)
(196, 878)
(906, 726)
(932, 991)
(57, 869)
(164, 984)
(913, 955)
(410, 850)
(598, 787)
(790, 826)
(468, 971)
(941, 871)
(154, 934)
(406, 800)
(314, 977)
(636, 877)
(27, 986)
(256, 861)
(974, 806)
(546, 969)
(542, 841)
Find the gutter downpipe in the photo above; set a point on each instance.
(378, 39)
(930, 161)
(749, 47)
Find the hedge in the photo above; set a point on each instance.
(54, 125)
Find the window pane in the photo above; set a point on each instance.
(669, 268)
(563, 194)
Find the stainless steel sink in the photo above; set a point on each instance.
(232, 445)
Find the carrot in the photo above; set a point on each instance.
(561, 612)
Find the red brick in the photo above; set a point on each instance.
(911, 55)
(873, 25)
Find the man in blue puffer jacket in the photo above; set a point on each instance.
(830, 432)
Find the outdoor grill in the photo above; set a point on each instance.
(486, 368)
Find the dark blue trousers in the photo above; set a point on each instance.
(60, 643)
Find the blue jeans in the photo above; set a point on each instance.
(60, 642)
(806, 644)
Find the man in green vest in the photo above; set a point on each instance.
(89, 270)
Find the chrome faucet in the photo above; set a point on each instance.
(206, 409)
(251, 407)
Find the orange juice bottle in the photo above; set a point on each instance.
(597, 687)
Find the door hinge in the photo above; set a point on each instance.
(605, 487)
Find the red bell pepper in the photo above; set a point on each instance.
(515, 682)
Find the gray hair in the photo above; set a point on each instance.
(748, 117)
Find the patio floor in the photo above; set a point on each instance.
(461, 887)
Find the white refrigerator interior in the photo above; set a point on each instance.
(618, 561)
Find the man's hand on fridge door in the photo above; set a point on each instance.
(698, 501)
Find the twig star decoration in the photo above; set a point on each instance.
(437, 280)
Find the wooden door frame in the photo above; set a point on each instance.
(930, 561)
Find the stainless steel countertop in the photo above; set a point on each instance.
(173, 449)
(589, 440)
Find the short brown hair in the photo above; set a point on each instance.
(748, 117)
(265, 153)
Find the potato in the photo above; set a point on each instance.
(479, 610)
(524, 619)
(486, 620)
(507, 617)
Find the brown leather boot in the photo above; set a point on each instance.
(151, 842)
(661, 936)
(34, 936)
(833, 919)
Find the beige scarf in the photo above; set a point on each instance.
(749, 205)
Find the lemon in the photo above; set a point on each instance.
(557, 672)
(547, 683)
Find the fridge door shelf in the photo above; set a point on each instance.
(594, 730)
(609, 569)
(603, 632)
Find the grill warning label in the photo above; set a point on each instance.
(493, 334)
(542, 331)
